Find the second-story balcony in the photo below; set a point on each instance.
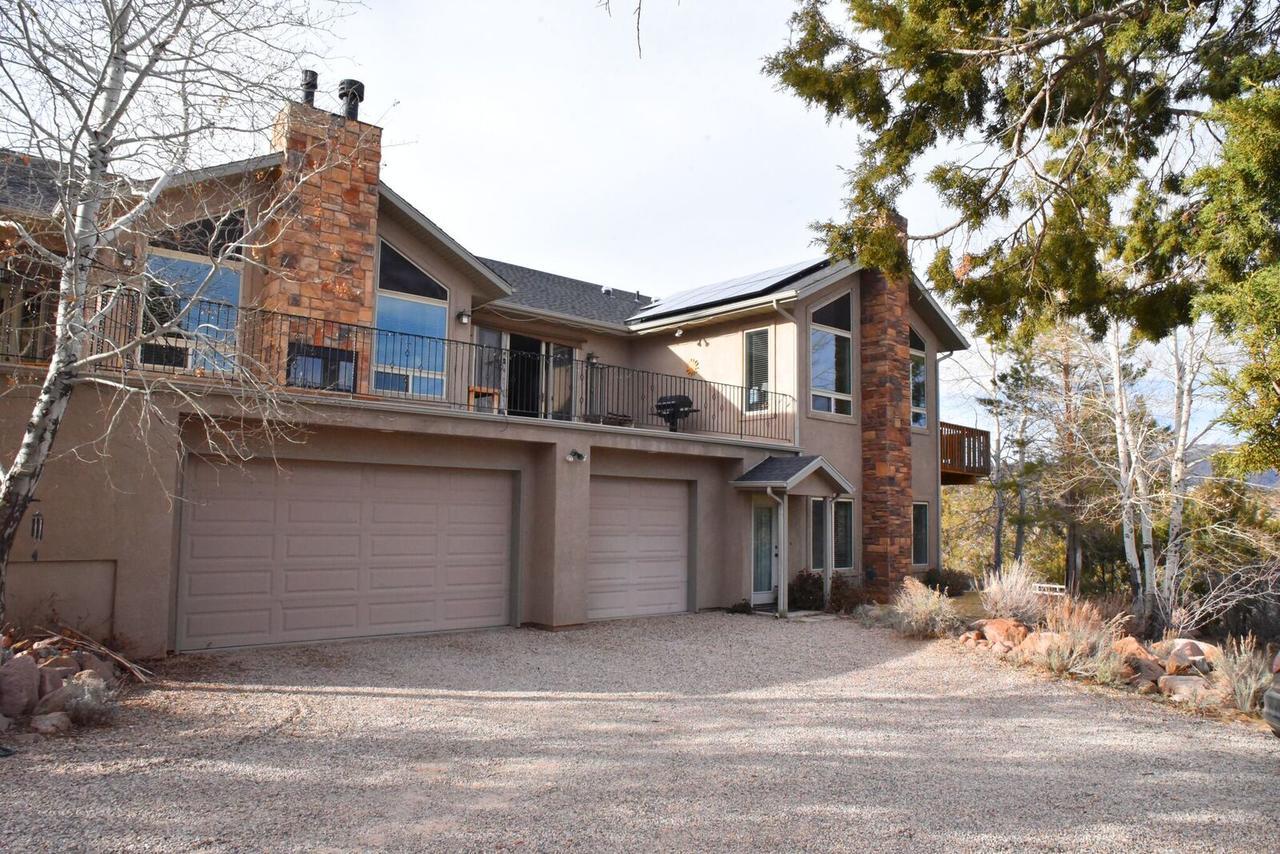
(965, 454)
(313, 357)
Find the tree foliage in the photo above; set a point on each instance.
(1070, 132)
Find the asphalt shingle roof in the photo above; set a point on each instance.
(775, 469)
(537, 290)
(27, 184)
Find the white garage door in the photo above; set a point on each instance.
(312, 551)
(638, 552)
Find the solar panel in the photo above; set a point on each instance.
(739, 288)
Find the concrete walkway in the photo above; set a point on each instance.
(701, 733)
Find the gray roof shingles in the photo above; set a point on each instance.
(28, 184)
(534, 289)
(775, 469)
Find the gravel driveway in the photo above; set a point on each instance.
(703, 732)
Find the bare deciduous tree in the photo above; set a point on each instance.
(114, 113)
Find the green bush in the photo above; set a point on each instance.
(949, 582)
(804, 593)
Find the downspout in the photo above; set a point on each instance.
(937, 438)
(779, 543)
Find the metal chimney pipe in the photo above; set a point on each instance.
(310, 80)
(351, 93)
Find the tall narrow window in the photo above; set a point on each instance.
(919, 382)
(412, 321)
(818, 534)
(831, 357)
(843, 533)
(204, 337)
(920, 534)
(757, 369)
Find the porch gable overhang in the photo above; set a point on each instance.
(801, 475)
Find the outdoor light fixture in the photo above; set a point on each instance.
(575, 456)
(464, 317)
(679, 332)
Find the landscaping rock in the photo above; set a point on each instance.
(1182, 689)
(1131, 649)
(1186, 659)
(1004, 630)
(19, 686)
(51, 724)
(1001, 649)
(1148, 670)
(1146, 686)
(50, 681)
(1038, 643)
(89, 661)
(55, 701)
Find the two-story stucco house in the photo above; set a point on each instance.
(490, 445)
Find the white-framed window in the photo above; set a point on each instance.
(831, 356)
(919, 380)
(755, 359)
(204, 339)
(920, 533)
(843, 512)
(412, 320)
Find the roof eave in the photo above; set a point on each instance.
(950, 338)
(584, 322)
(420, 219)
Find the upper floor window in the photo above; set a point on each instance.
(919, 382)
(756, 363)
(831, 357)
(199, 298)
(412, 321)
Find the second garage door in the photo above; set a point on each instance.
(311, 551)
(638, 550)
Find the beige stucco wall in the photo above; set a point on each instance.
(116, 511)
(925, 483)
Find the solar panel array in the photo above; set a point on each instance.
(742, 287)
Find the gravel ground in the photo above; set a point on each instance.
(707, 732)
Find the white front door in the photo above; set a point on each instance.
(764, 553)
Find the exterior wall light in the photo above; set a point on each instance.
(575, 456)
(464, 317)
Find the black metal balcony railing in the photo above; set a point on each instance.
(215, 340)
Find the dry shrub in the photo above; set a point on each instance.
(1084, 640)
(1244, 673)
(924, 613)
(846, 595)
(1012, 594)
(90, 703)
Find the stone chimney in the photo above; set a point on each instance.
(886, 429)
(321, 263)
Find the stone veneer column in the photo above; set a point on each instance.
(886, 432)
(321, 262)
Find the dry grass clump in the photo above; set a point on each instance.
(924, 613)
(1082, 642)
(1012, 594)
(1244, 673)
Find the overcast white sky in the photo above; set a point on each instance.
(533, 133)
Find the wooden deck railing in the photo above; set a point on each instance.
(965, 450)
